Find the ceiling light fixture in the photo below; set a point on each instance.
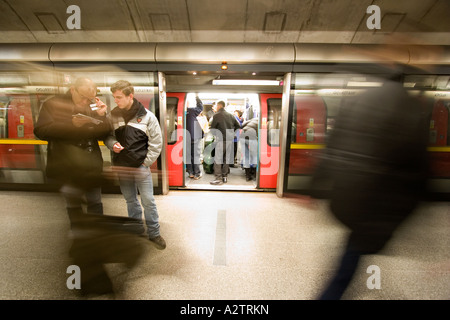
(224, 66)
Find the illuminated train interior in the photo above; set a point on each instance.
(296, 99)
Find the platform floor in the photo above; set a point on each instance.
(224, 246)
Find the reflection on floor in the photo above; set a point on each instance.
(236, 181)
(223, 246)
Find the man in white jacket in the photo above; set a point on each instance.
(136, 141)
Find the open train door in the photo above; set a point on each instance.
(269, 140)
(174, 147)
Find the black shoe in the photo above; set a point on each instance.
(224, 179)
(216, 182)
(159, 242)
(248, 175)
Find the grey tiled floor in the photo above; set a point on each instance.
(224, 245)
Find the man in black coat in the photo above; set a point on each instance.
(223, 127)
(75, 163)
(376, 158)
(74, 159)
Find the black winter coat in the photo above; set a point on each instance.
(73, 154)
(225, 122)
(376, 158)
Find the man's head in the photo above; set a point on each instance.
(83, 92)
(220, 105)
(123, 93)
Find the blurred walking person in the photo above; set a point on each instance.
(74, 160)
(377, 159)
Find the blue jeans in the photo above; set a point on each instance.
(141, 181)
(249, 149)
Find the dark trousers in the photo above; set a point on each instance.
(193, 157)
(344, 274)
(223, 157)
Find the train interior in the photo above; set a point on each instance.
(247, 105)
(243, 94)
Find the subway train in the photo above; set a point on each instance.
(294, 90)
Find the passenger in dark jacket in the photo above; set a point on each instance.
(136, 141)
(377, 160)
(74, 159)
(223, 127)
(196, 135)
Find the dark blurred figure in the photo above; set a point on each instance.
(377, 161)
(75, 164)
(74, 159)
(196, 136)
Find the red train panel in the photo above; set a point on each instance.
(20, 126)
(175, 151)
(269, 154)
(310, 128)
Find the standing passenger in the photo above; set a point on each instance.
(249, 147)
(75, 162)
(223, 126)
(196, 135)
(136, 141)
(238, 115)
(74, 159)
(377, 158)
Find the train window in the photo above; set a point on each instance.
(20, 160)
(273, 121)
(3, 116)
(316, 99)
(171, 118)
(434, 91)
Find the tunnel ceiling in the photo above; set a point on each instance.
(238, 21)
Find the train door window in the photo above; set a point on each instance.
(315, 103)
(20, 160)
(3, 116)
(273, 121)
(434, 93)
(171, 109)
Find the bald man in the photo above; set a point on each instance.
(72, 124)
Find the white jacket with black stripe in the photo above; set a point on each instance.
(139, 132)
